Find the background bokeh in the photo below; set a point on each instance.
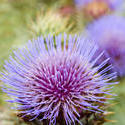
(21, 20)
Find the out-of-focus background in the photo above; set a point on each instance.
(21, 20)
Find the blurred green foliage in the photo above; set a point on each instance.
(14, 17)
(21, 20)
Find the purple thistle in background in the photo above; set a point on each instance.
(113, 4)
(81, 3)
(94, 9)
(55, 78)
(109, 33)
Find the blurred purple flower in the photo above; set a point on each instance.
(109, 32)
(52, 79)
(113, 4)
(81, 3)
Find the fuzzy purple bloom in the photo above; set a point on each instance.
(113, 4)
(109, 32)
(49, 79)
(82, 2)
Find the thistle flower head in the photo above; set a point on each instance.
(56, 77)
(109, 32)
(55, 24)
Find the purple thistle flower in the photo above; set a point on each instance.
(109, 33)
(113, 4)
(51, 79)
